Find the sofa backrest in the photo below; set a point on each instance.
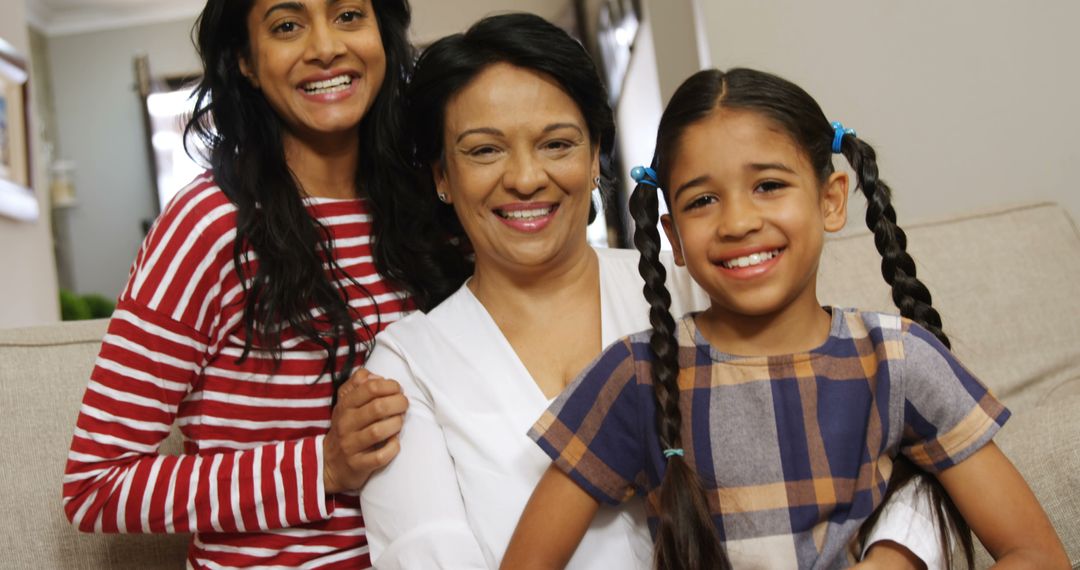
(43, 372)
(1020, 333)
(1004, 283)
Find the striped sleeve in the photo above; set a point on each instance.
(156, 343)
(948, 413)
(593, 430)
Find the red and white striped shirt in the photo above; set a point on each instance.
(249, 484)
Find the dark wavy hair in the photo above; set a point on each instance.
(687, 536)
(243, 135)
(447, 66)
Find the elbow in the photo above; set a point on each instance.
(71, 513)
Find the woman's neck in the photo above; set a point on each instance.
(326, 167)
(536, 291)
(799, 327)
(549, 316)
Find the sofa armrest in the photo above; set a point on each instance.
(43, 373)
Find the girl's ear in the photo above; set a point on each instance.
(834, 197)
(673, 237)
(442, 186)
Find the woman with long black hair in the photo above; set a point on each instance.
(257, 293)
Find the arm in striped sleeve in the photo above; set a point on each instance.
(115, 480)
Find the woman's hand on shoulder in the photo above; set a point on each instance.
(363, 431)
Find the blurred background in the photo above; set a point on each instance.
(970, 104)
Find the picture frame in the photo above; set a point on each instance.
(17, 200)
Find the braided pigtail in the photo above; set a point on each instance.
(913, 299)
(897, 267)
(686, 536)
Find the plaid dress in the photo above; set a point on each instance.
(794, 452)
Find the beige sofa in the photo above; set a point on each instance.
(1004, 281)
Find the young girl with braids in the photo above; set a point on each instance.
(764, 430)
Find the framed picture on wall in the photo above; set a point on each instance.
(14, 154)
(16, 198)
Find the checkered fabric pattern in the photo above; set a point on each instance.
(794, 452)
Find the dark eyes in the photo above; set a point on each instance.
(482, 151)
(770, 186)
(701, 202)
(351, 16)
(347, 17)
(765, 187)
(285, 28)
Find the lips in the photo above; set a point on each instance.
(527, 217)
(749, 263)
(750, 260)
(332, 85)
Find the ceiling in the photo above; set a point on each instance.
(431, 18)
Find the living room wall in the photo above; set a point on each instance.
(100, 125)
(28, 294)
(970, 103)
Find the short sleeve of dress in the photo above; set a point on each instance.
(948, 413)
(594, 430)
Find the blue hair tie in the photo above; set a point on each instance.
(669, 453)
(839, 132)
(644, 175)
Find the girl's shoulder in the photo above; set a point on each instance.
(857, 323)
(891, 335)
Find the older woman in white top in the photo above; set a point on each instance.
(514, 122)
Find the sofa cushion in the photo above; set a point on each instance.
(1004, 283)
(43, 372)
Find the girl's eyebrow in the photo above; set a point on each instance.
(760, 166)
(754, 166)
(695, 182)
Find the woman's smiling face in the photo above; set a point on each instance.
(518, 167)
(319, 63)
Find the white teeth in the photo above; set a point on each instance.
(331, 85)
(526, 214)
(750, 260)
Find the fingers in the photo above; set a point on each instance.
(355, 469)
(363, 388)
(364, 428)
(349, 420)
(377, 458)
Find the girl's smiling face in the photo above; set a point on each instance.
(748, 214)
(518, 167)
(319, 63)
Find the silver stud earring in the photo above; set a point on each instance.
(444, 198)
(596, 182)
